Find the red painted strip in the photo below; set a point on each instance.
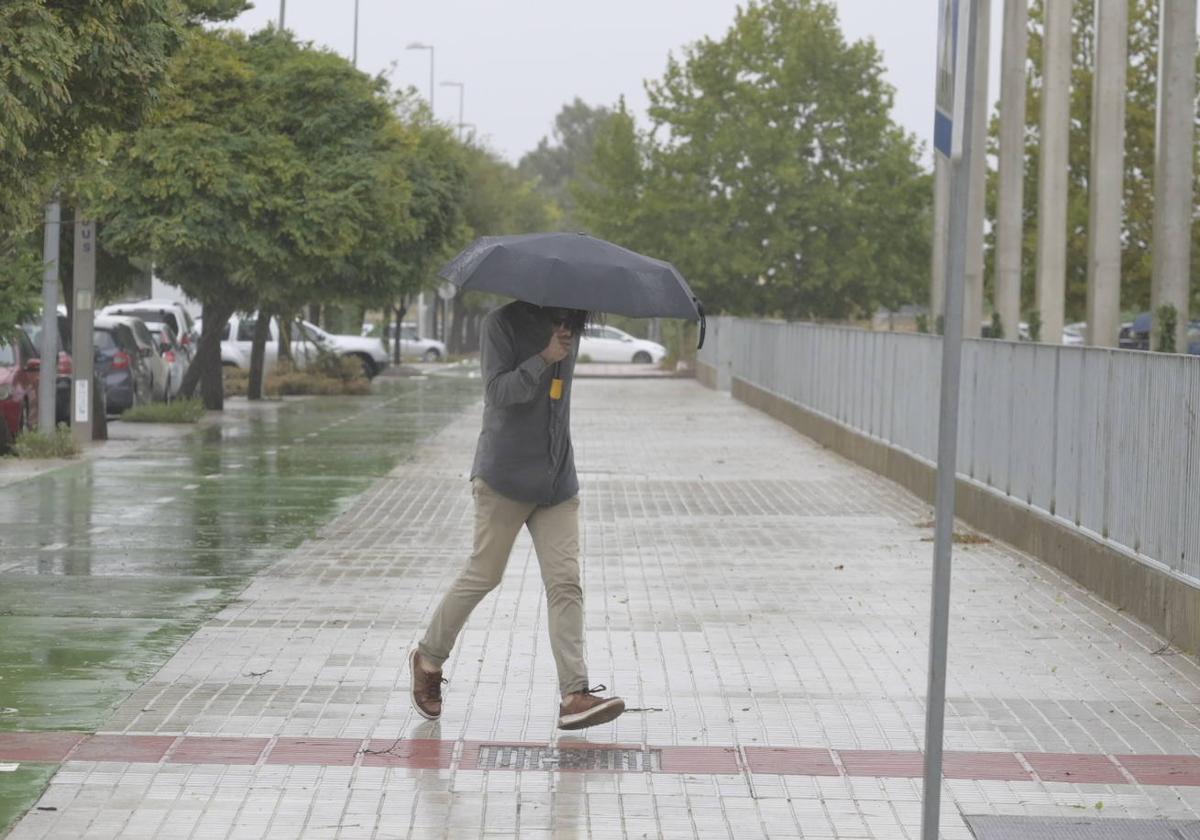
(1183, 770)
(202, 750)
(791, 761)
(992, 766)
(143, 748)
(723, 760)
(1174, 770)
(38, 746)
(1075, 767)
(330, 752)
(882, 763)
(417, 754)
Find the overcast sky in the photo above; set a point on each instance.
(521, 60)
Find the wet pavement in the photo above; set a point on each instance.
(109, 564)
(761, 603)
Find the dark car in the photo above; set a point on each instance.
(62, 379)
(121, 364)
(1135, 335)
(19, 374)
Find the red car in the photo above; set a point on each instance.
(19, 366)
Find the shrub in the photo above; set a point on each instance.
(39, 444)
(329, 376)
(179, 411)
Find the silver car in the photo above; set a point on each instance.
(151, 355)
(174, 357)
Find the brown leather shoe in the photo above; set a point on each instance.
(583, 708)
(426, 689)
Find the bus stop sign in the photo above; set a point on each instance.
(950, 98)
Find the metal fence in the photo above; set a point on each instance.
(1106, 440)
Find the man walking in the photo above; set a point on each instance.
(524, 475)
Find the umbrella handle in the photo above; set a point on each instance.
(703, 324)
(556, 384)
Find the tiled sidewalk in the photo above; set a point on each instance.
(746, 590)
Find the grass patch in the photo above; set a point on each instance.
(178, 411)
(38, 444)
(330, 376)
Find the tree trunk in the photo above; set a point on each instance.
(457, 318)
(401, 310)
(473, 333)
(258, 352)
(285, 337)
(205, 370)
(314, 313)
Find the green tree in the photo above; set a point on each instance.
(437, 170)
(204, 188)
(609, 197)
(778, 180)
(562, 158)
(276, 174)
(499, 200)
(70, 72)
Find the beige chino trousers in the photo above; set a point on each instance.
(555, 532)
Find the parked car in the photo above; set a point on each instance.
(413, 346)
(602, 343)
(169, 312)
(370, 352)
(308, 340)
(1075, 334)
(231, 356)
(19, 374)
(120, 362)
(63, 367)
(175, 359)
(148, 350)
(1135, 334)
(65, 375)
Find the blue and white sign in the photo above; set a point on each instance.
(950, 96)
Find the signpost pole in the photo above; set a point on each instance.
(961, 17)
(82, 399)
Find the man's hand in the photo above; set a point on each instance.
(558, 348)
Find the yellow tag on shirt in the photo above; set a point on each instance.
(556, 388)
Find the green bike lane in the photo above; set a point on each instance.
(107, 566)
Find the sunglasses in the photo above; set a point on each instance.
(563, 317)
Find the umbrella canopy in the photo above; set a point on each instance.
(575, 271)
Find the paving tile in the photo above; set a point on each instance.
(761, 604)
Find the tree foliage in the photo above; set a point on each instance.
(562, 159)
(773, 175)
(272, 175)
(71, 71)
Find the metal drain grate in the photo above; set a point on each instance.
(1081, 828)
(501, 757)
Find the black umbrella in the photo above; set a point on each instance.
(575, 271)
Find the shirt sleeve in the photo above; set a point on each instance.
(508, 380)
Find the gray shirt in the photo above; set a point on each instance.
(524, 449)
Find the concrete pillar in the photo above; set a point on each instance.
(1009, 215)
(1107, 173)
(1052, 169)
(1173, 163)
(973, 279)
(941, 226)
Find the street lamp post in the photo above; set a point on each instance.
(282, 13)
(355, 60)
(417, 45)
(461, 91)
